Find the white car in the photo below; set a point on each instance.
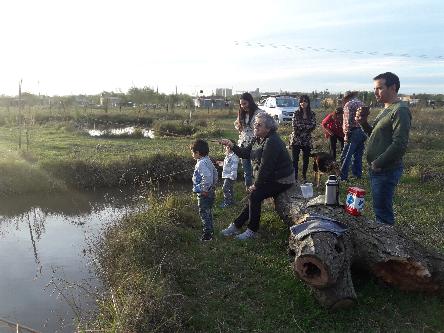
(281, 108)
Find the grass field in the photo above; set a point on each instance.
(159, 278)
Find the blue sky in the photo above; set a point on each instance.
(74, 47)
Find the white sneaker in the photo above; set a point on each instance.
(231, 230)
(247, 234)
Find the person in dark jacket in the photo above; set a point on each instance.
(273, 173)
(303, 123)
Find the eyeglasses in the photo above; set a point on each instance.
(303, 101)
(258, 125)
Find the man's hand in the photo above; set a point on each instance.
(204, 194)
(251, 188)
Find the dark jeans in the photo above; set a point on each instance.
(352, 153)
(383, 184)
(248, 172)
(333, 141)
(252, 211)
(296, 150)
(228, 191)
(205, 205)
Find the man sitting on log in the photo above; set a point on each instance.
(272, 170)
(387, 144)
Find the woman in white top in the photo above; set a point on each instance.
(248, 111)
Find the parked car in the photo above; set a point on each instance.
(281, 108)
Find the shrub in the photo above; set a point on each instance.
(137, 258)
(170, 128)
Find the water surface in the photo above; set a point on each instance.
(46, 271)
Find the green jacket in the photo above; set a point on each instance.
(389, 137)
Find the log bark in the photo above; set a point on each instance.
(324, 260)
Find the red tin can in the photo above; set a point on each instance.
(354, 203)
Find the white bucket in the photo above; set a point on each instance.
(307, 190)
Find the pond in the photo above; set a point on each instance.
(47, 274)
(126, 131)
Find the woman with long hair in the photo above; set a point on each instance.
(304, 122)
(246, 115)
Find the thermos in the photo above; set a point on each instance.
(332, 191)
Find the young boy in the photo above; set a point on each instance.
(229, 175)
(204, 183)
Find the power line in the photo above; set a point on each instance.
(309, 48)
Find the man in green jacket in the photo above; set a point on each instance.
(387, 144)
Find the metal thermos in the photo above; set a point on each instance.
(332, 191)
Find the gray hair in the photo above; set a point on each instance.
(267, 120)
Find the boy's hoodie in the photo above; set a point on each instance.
(204, 176)
(231, 162)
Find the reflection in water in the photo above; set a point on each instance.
(36, 256)
(146, 133)
(68, 204)
(46, 277)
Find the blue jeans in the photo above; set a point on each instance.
(383, 185)
(205, 205)
(248, 172)
(352, 153)
(228, 191)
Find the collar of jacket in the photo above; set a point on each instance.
(270, 133)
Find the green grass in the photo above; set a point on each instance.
(160, 278)
(58, 146)
(231, 286)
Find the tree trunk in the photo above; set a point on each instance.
(323, 260)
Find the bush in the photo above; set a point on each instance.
(138, 257)
(170, 128)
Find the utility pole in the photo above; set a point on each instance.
(20, 114)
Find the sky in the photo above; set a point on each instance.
(64, 47)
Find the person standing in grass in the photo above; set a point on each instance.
(204, 183)
(354, 137)
(229, 175)
(332, 126)
(248, 110)
(387, 144)
(273, 173)
(304, 123)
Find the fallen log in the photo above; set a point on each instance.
(323, 259)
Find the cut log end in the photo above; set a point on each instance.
(312, 270)
(405, 274)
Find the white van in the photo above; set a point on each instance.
(281, 108)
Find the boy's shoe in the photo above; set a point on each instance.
(206, 237)
(247, 234)
(231, 230)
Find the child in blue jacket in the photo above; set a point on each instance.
(204, 183)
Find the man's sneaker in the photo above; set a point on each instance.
(247, 234)
(225, 205)
(206, 237)
(231, 230)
